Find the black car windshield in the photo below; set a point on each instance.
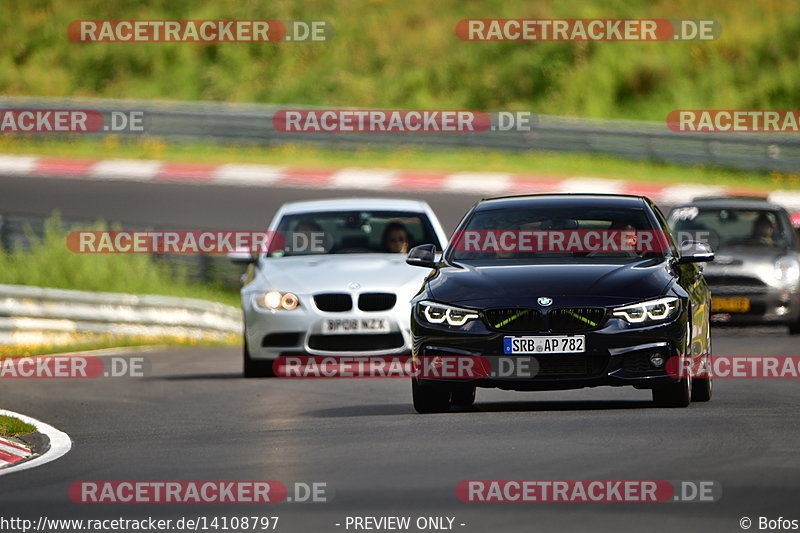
(341, 232)
(541, 234)
(722, 227)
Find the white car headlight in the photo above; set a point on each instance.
(436, 313)
(277, 300)
(649, 311)
(787, 270)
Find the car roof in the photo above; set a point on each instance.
(347, 204)
(733, 202)
(625, 201)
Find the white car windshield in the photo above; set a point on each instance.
(722, 228)
(343, 232)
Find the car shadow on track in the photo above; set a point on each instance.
(494, 407)
(210, 375)
(580, 405)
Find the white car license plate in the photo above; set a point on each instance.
(344, 326)
(543, 345)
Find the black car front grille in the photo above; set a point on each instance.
(735, 284)
(637, 363)
(280, 340)
(333, 302)
(356, 343)
(563, 366)
(747, 281)
(563, 320)
(376, 301)
(514, 319)
(576, 318)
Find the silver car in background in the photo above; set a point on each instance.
(755, 276)
(339, 284)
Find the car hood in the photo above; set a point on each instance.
(746, 255)
(337, 273)
(758, 262)
(567, 283)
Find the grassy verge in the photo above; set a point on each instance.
(49, 263)
(407, 54)
(110, 341)
(11, 427)
(559, 165)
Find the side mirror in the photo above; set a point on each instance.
(422, 256)
(242, 257)
(695, 252)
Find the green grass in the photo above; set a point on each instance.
(551, 164)
(407, 55)
(101, 342)
(11, 427)
(48, 263)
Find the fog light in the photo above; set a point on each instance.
(657, 360)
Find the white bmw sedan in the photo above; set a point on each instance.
(338, 284)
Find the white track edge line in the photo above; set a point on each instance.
(60, 443)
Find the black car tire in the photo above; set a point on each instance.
(678, 394)
(253, 368)
(703, 388)
(430, 398)
(463, 397)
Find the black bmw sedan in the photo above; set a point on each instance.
(562, 291)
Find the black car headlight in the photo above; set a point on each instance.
(649, 312)
(436, 313)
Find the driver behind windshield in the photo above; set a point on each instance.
(763, 230)
(396, 239)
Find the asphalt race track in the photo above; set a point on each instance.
(194, 418)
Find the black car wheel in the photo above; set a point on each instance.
(430, 398)
(678, 394)
(463, 397)
(254, 368)
(703, 388)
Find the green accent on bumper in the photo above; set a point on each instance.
(581, 318)
(511, 318)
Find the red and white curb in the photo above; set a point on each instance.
(60, 444)
(472, 183)
(12, 452)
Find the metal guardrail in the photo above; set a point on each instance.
(36, 315)
(636, 140)
(17, 231)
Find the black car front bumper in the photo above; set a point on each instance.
(617, 354)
